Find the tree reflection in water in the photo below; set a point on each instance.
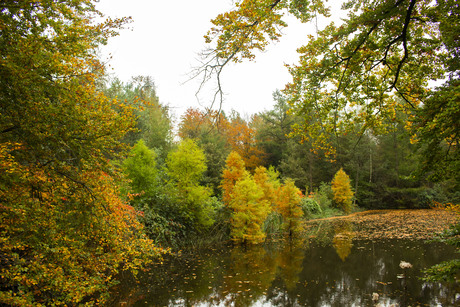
(343, 239)
(343, 273)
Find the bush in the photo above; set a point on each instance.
(324, 195)
(310, 206)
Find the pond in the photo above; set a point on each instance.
(339, 271)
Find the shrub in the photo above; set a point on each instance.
(324, 195)
(310, 206)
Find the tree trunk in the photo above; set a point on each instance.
(370, 164)
(356, 183)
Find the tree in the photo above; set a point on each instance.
(438, 132)
(273, 132)
(208, 129)
(241, 135)
(153, 123)
(249, 211)
(141, 168)
(288, 204)
(65, 231)
(343, 195)
(233, 172)
(185, 168)
(268, 182)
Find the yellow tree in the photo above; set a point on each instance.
(268, 182)
(288, 205)
(250, 210)
(185, 167)
(233, 172)
(341, 187)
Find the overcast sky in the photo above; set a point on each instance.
(165, 39)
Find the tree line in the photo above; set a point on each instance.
(223, 169)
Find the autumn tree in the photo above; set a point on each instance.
(208, 129)
(241, 136)
(288, 205)
(65, 232)
(247, 198)
(249, 211)
(185, 168)
(233, 172)
(194, 123)
(268, 182)
(343, 194)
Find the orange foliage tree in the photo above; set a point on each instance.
(288, 205)
(268, 182)
(191, 124)
(241, 136)
(233, 172)
(196, 123)
(343, 194)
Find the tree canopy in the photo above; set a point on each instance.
(375, 63)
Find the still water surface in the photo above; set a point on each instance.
(340, 272)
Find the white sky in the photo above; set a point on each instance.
(164, 41)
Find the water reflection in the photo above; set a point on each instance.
(248, 275)
(343, 273)
(343, 239)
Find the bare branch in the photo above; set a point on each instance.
(212, 64)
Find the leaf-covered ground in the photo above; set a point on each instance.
(393, 224)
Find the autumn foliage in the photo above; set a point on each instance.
(288, 205)
(343, 195)
(232, 173)
(251, 198)
(246, 199)
(241, 136)
(249, 211)
(65, 233)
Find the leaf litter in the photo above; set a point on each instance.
(394, 224)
